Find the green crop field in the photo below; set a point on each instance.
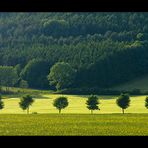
(43, 104)
(74, 124)
(75, 119)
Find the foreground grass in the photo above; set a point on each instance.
(74, 124)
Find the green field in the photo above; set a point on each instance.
(43, 104)
(74, 124)
(75, 119)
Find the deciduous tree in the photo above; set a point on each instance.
(60, 103)
(123, 101)
(61, 75)
(26, 102)
(92, 103)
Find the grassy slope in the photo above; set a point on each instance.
(19, 92)
(139, 83)
(53, 124)
(43, 104)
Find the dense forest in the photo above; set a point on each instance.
(105, 49)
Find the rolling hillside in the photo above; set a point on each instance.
(105, 49)
(138, 83)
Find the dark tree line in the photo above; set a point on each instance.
(105, 49)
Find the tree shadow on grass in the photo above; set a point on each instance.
(35, 96)
(39, 96)
(102, 97)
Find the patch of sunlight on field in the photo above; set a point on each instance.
(76, 105)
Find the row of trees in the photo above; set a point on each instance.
(107, 70)
(123, 101)
(97, 64)
(37, 73)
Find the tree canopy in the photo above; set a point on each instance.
(92, 103)
(8, 76)
(35, 73)
(61, 75)
(123, 101)
(96, 44)
(60, 103)
(26, 102)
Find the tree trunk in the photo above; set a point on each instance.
(6, 88)
(91, 111)
(28, 110)
(59, 111)
(123, 111)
